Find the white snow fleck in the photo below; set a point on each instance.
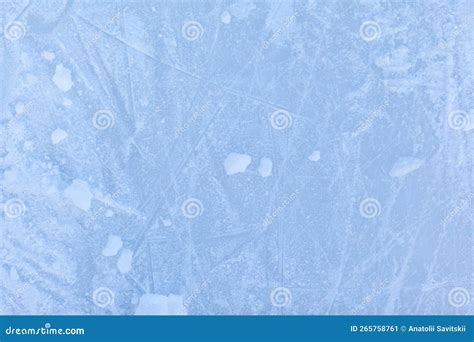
(20, 108)
(67, 102)
(49, 56)
(155, 304)
(58, 135)
(62, 78)
(226, 17)
(470, 123)
(114, 245)
(124, 263)
(315, 156)
(14, 274)
(236, 162)
(109, 213)
(265, 167)
(405, 165)
(166, 222)
(79, 193)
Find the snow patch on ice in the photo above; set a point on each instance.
(20, 108)
(265, 167)
(124, 263)
(114, 245)
(62, 78)
(80, 194)
(49, 56)
(166, 222)
(14, 274)
(315, 156)
(226, 17)
(155, 304)
(58, 135)
(405, 165)
(236, 163)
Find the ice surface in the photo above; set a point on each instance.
(48, 55)
(62, 78)
(226, 17)
(80, 194)
(124, 262)
(114, 245)
(223, 106)
(315, 156)
(236, 163)
(265, 167)
(58, 135)
(405, 165)
(154, 304)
